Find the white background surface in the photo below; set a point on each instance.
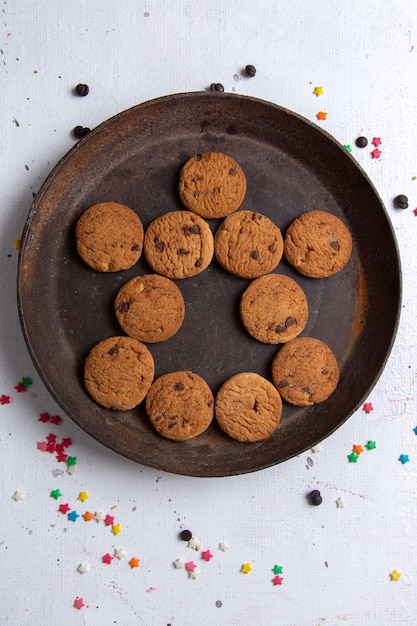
(336, 561)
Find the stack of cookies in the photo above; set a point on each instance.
(119, 371)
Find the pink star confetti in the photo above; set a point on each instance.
(277, 580)
(4, 399)
(206, 555)
(42, 445)
(109, 520)
(64, 508)
(376, 153)
(376, 141)
(107, 558)
(367, 407)
(190, 566)
(79, 603)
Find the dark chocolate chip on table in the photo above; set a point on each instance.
(315, 497)
(401, 201)
(80, 131)
(216, 87)
(81, 89)
(186, 535)
(250, 70)
(361, 142)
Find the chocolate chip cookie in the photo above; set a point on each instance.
(212, 185)
(118, 372)
(248, 407)
(180, 405)
(248, 244)
(305, 371)
(274, 309)
(318, 244)
(178, 244)
(109, 237)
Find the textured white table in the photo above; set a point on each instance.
(336, 561)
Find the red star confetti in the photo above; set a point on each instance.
(322, 115)
(107, 558)
(376, 153)
(367, 407)
(79, 603)
(66, 442)
(376, 141)
(20, 387)
(4, 399)
(61, 457)
(55, 419)
(415, 211)
(357, 449)
(50, 447)
(64, 508)
(44, 418)
(277, 580)
(206, 555)
(190, 566)
(109, 520)
(134, 562)
(51, 438)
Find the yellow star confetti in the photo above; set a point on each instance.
(395, 575)
(83, 496)
(116, 529)
(318, 91)
(246, 568)
(16, 244)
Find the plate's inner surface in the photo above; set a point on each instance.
(291, 167)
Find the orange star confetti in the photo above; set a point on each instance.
(134, 562)
(322, 115)
(88, 516)
(357, 449)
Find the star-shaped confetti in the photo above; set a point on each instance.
(223, 546)
(42, 445)
(376, 141)
(371, 445)
(55, 419)
(404, 458)
(99, 516)
(73, 516)
(376, 153)
(179, 563)
(72, 469)
(51, 438)
(18, 495)
(83, 567)
(358, 449)
(415, 430)
(88, 516)
(246, 568)
(190, 566)
(4, 399)
(318, 91)
(107, 558)
(26, 381)
(277, 569)
(353, 457)
(134, 562)
(206, 555)
(316, 448)
(322, 115)
(277, 580)
(61, 457)
(20, 388)
(71, 460)
(367, 407)
(395, 575)
(66, 442)
(79, 603)
(64, 508)
(109, 520)
(415, 211)
(195, 573)
(43, 417)
(16, 244)
(340, 502)
(83, 496)
(347, 147)
(120, 553)
(116, 529)
(55, 493)
(194, 543)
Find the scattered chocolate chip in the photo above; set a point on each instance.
(232, 172)
(315, 497)
(250, 70)
(186, 535)
(114, 350)
(361, 142)
(334, 245)
(178, 386)
(401, 201)
(159, 245)
(254, 255)
(79, 132)
(216, 87)
(123, 307)
(82, 90)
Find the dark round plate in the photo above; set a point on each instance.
(134, 158)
